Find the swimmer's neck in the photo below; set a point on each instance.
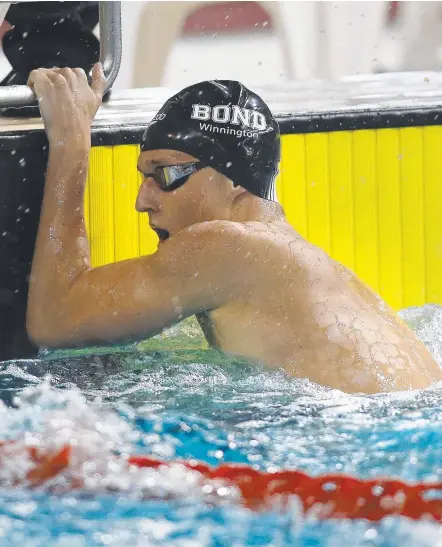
(249, 208)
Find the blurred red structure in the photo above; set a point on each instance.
(242, 17)
(393, 12)
(235, 17)
(330, 496)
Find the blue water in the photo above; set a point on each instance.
(200, 404)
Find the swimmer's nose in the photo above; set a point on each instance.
(147, 197)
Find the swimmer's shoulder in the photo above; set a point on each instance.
(217, 241)
(210, 232)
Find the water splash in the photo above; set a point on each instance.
(197, 403)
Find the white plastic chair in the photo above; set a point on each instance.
(319, 39)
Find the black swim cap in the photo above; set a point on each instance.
(227, 126)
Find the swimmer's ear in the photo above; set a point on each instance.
(236, 188)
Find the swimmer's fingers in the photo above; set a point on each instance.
(38, 81)
(60, 76)
(64, 94)
(99, 81)
(68, 75)
(81, 75)
(73, 76)
(76, 78)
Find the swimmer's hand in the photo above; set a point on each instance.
(67, 102)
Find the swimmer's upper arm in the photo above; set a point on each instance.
(196, 270)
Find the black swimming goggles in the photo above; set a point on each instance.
(171, 177)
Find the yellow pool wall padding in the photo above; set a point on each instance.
(371, 198)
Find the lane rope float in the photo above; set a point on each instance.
(330, 495)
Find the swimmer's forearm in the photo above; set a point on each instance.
(62, 250)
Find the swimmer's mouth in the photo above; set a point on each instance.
(162, 234)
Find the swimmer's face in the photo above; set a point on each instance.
(206, 195)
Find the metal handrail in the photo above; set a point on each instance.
(111, 47)
(110, 57)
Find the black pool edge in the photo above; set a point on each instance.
(352, 120)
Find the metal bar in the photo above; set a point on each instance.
(110, 57)
(110, 40)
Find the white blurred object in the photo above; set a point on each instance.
(297, 25)
(256, 61)
(4, 6)
(353, 32)
(318, 39)
(130, 14)
(329, 39)
(159, 25)
(309, 40)
(414, 41)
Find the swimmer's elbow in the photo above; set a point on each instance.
(40, 338)
(51, 335)
(43, 326)
(34, 328)
(44, 337)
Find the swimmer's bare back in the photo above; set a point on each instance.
(303, 311)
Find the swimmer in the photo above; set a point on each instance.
(226, 252)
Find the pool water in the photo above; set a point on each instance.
(191, 402)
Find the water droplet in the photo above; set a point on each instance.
(13, 152)
(229, 164)
(377, 490)
(371, 533)
(22, 162)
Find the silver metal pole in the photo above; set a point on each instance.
(110, 56)
(110, 40)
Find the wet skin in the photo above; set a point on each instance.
(258, 289)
